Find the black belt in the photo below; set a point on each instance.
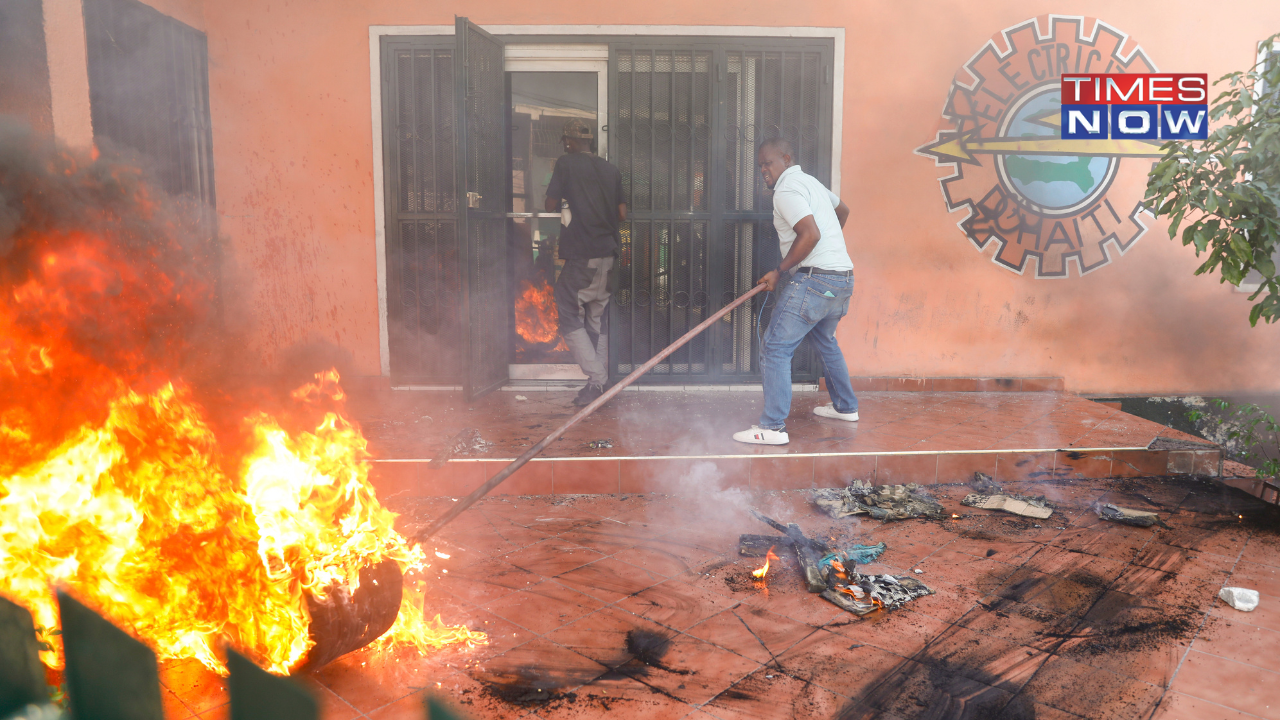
(820, 271)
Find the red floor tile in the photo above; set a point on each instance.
(602, 635)
(781, 473)
(489, 580)
(552, 557)
(675, 604)
(544, 607)
(988, 660)
(610, 579)
(1247, 688)
(696, 671)
(1023, 466)
(767, 693)
(367, 681)
(905, 469)
(196, 686)
(1176, 706)
(841, 471)
(1236, 639)
(1091, 692)
(585, 476)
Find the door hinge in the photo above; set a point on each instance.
(473, 199)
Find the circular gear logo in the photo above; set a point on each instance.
(1039, 200)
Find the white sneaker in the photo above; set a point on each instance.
(829, 411)
(762, 436)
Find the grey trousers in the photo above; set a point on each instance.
(582, 299)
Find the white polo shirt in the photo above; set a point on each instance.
(797, 196)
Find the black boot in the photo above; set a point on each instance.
(588, 394)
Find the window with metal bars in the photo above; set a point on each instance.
(149, 93)
(685, 119)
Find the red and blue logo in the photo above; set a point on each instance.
(1137, 106)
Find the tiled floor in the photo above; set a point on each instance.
(1070, 617)
(922, 437)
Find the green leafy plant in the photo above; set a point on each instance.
(1249, 431)
(1226, 189)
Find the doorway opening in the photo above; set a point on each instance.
(541, 103)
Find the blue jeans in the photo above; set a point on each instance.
(807, 305)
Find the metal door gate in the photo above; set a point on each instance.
(482, 187)
(685, 119)
(424, 285)
(444, 158)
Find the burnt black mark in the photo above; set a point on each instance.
(938, 691)
(542, 684)
(532, 684)
(991, 551)
(648, 646)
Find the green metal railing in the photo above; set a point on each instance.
(111, 676)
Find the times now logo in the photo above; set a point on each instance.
(1159, 106)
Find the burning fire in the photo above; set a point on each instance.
(188, 527)
(537, 320)
(764, 570)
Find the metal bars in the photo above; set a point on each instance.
(149, 93)
(424, 286)
(685, 119)
(481, 87)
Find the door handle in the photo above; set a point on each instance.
(473, 199)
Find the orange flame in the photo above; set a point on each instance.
(537, 319)
(764, 570)
(114, 482)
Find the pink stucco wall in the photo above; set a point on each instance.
(290, 86)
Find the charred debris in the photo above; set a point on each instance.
(832, 572)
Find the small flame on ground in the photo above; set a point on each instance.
(954, 516)
(763, 570)
(442, 556)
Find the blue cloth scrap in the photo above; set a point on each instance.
(857, 554)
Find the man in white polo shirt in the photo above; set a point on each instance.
(813, 283)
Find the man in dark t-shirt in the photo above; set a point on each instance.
(591, 191)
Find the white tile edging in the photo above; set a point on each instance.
(773, 455)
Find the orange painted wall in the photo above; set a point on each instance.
(293, 145)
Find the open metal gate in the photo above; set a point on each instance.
(685, 119)
(482, 187)
(444, 155)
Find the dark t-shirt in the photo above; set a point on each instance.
(593, 188)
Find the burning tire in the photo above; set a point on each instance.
(346, 621)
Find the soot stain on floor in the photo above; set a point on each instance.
(544, 686)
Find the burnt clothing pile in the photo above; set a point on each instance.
(1127, 516)
(861, 594)
(885, 502)
(832, 573)
(990, 496)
